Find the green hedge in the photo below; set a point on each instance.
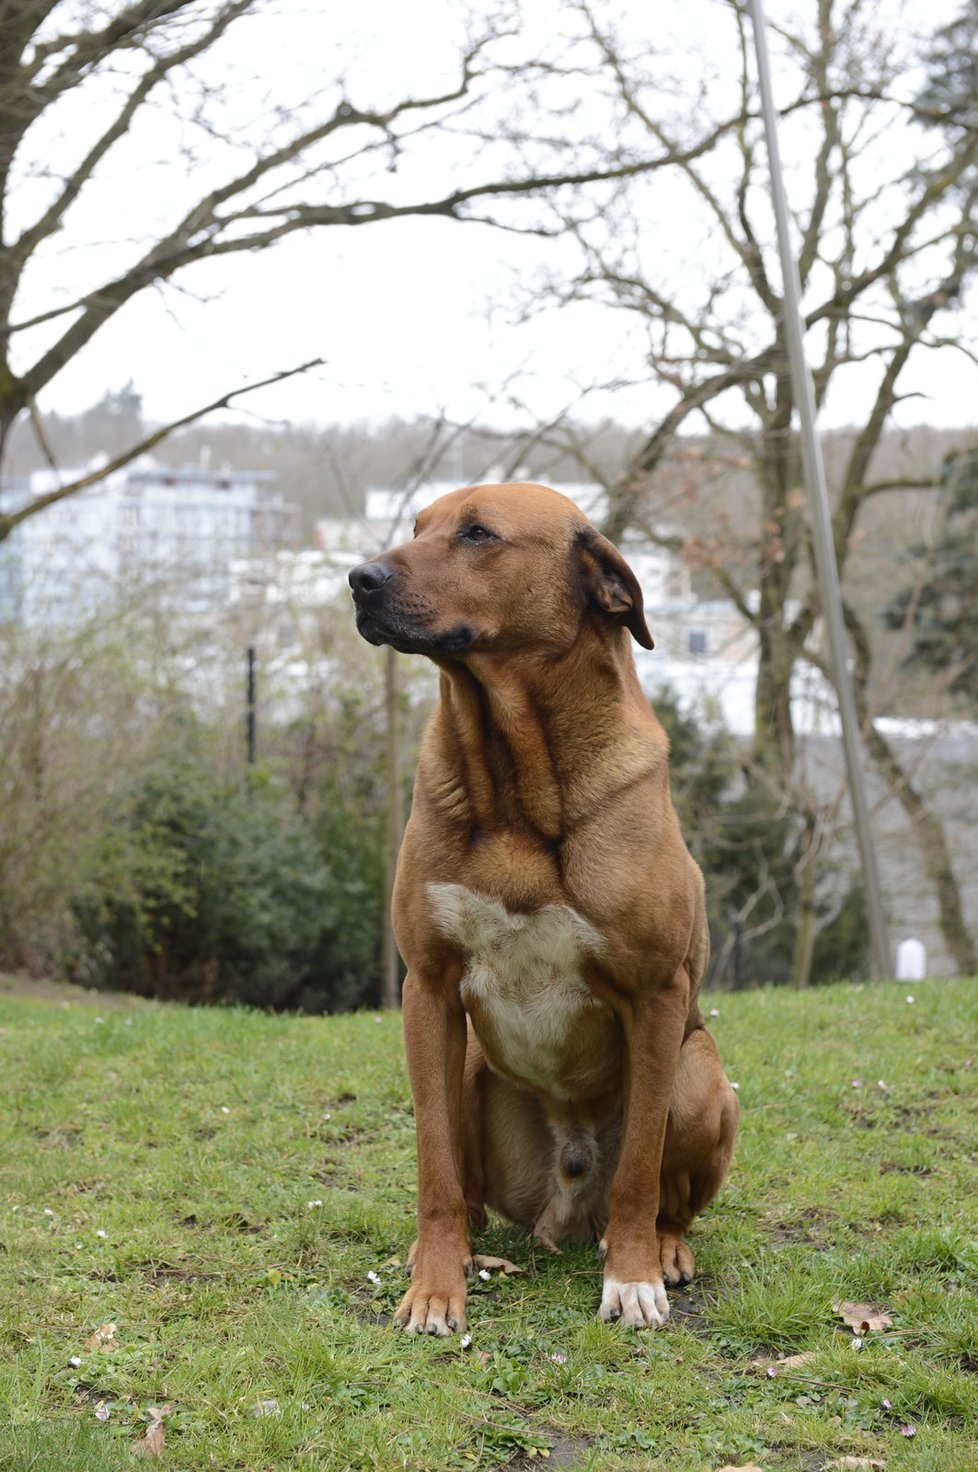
(208, 892)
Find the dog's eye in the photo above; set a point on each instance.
(477, 534)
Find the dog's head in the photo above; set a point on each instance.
(493, 569)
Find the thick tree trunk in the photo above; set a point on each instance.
(932, 842)
(774, 734)
(927, 827)
(806, 870)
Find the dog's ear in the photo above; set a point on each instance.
(610, 584)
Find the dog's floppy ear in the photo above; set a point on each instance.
(610, 583)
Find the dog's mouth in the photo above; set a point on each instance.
(388, 612)
(386, 626)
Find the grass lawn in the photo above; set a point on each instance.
(235, 1193)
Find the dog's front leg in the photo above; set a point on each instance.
(434, 1035)
(633, 1289)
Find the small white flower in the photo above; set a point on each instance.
(484, 1274)
(314, 1203)
(856, 1342)
(326, 1114)
(558, 1357)
(48, 1211)
(102, 1412)
(910, 999)
(74, 1361)
(377, 1019)
(733, 1085)
(225, 1109)
(100, 1233)
(714, 1011)
(128, 1022)
(881, 1085)
(15, 1208)
(373, 1277)
(857, 1083)
(99, 1019)
(465, 1342)
(771, 1372)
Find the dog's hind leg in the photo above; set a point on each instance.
(699, 1142)
(508, 1145)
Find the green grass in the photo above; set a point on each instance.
(158, 1166)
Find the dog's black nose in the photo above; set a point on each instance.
(370, 577)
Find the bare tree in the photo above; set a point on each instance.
(885, 207)
(88, 76)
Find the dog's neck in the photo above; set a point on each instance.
(529, 735)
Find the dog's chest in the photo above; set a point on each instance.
(524, 988)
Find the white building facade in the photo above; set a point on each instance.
(147, 525)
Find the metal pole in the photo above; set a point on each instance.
(818, 499)
(250, 707)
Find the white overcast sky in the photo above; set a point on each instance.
(412, 316)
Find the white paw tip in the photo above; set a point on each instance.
(635, 1305)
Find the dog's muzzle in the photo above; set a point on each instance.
(387, 615)
(371, 583)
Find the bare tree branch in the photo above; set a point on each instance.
(12, 519)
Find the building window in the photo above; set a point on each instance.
(697, 641)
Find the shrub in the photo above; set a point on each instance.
(205, 892)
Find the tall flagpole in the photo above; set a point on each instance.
(818, 500)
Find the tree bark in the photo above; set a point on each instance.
(927, 827)
(929, 834)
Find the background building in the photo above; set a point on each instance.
(175, 529)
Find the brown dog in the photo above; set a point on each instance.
(544, 889)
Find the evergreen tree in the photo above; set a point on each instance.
(950, 97)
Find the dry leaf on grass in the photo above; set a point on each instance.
(795, 1361)
(862, 1316)
(789, 1362)
(103, 1338)
(501, 1264)
(855, 1464)
(150, 1441)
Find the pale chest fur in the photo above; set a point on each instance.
(525, 990)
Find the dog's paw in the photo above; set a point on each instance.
(432, 1311)
(677, 1261)
(636, 1305)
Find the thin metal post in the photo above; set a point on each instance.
(818, 500)
(250, 708)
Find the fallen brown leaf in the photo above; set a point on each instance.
(151, 1439)
(790, 1362)
(103, 1338)
(862, 1316)
(501, 1264)
(795, 1361)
